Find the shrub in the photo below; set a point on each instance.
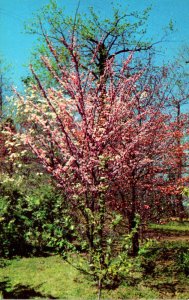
(183, 261)
(30, 221)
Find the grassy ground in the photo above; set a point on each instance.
(47, 277)
(50, 277)
(164, 274)
(172, 226)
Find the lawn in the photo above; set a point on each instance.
(163, 273)
(172, 226)
(44, 277)
(51, 277)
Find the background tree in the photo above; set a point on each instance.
(97, 39)
(5, 85)
(177, 104)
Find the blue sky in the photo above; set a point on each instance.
(15, 46)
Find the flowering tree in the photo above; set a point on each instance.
(107, 144)
(180, 123)
(8, 151)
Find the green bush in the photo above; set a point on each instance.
(148, 256)
(32, 222)
(183, 261)
(12, 226)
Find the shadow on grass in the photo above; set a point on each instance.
(20, 291)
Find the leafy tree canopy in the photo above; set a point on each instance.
(97, 39)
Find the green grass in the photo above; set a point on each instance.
(163, 276)
(51, 277)
(172, 226)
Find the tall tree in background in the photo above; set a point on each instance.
(5, 88)
(5, 85)
(179, 97)
(98, 39)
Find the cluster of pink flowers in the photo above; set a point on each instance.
(101, 137)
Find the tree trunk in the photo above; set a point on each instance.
(133, 225)
(179, 198)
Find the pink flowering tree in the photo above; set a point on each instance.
(106, 145)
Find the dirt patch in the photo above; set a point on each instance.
(167, 235)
